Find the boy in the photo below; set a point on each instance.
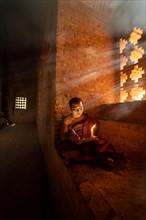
(78, 137)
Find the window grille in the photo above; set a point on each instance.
(20, 102)
(132, 83)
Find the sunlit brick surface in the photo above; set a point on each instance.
(123, 44)
(135, 35)
(136, 54)
(136, 73)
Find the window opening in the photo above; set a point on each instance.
(132, 86)
(20, 102)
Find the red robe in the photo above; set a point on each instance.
(93, 148)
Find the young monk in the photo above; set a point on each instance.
(79, 142)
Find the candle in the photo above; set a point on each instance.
(92, 130)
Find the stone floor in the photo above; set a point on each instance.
(24, 193)
(118, 195)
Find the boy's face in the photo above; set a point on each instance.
(77, 109)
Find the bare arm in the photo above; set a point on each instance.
(64, 132)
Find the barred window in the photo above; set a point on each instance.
(132, 71)
(20, 102)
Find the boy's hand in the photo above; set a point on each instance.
(75, 138)
(95, 137)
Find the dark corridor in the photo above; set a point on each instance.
(24, 189)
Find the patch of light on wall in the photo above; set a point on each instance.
(123, 61)
(20, 102)
(123, 78)
(136, 73)
(136, 54)
(137, 93)
(123, 44)
(123, 95)
(135, 35)
(131, 82)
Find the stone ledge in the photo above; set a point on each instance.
(133, 112)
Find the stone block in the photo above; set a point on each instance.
(99, 207)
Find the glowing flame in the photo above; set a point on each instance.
(92, 132)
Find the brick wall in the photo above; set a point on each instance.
(127, 138)
(67, 200)
(78, 67)
(83, 66)
(84, 58)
